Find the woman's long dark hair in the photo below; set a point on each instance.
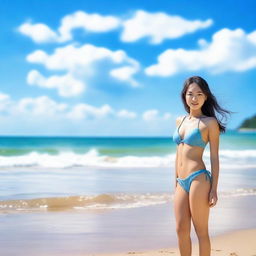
(210, 105)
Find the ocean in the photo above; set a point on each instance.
(65, 188)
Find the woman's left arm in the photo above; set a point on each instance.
(214, 133)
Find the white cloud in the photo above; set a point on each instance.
(42, 106)
(82, 61)
(150, 115)
(41, 33)
(85, 111)
(159, 26)
(167, 116)
(230, 50)
(43, 109)
(5, 102)
(126, 114)
(66, 85)
(125, 74)
(37, 56)
(88, 22)
(153, 115)
(252, 37)
(71, 57)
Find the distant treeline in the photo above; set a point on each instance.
(249, 123)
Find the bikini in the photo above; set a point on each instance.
(193, 138)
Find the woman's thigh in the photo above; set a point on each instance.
(182, 209)
(199, 203)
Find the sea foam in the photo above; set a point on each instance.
(228, 158)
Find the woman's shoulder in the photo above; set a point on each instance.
(179, 119)
(210, 118)
(211, 121)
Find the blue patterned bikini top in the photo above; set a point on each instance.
(193, 138)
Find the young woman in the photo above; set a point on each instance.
(195, 186)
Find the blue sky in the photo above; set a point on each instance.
(116, 68)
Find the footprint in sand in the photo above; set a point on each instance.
(233, 254)
(165, 251)
(216, 250)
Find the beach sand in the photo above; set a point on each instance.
(236, 243)
(144, 231)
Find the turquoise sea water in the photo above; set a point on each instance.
(112, 146)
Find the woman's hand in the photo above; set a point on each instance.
(213, 198)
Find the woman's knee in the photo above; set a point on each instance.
(183, 230)
(202, 233)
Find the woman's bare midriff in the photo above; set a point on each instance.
(189, 159)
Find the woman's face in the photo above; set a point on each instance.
(195, 97)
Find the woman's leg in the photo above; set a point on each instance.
(183, 220)
(199, 208)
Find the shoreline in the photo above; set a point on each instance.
(236, 243)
